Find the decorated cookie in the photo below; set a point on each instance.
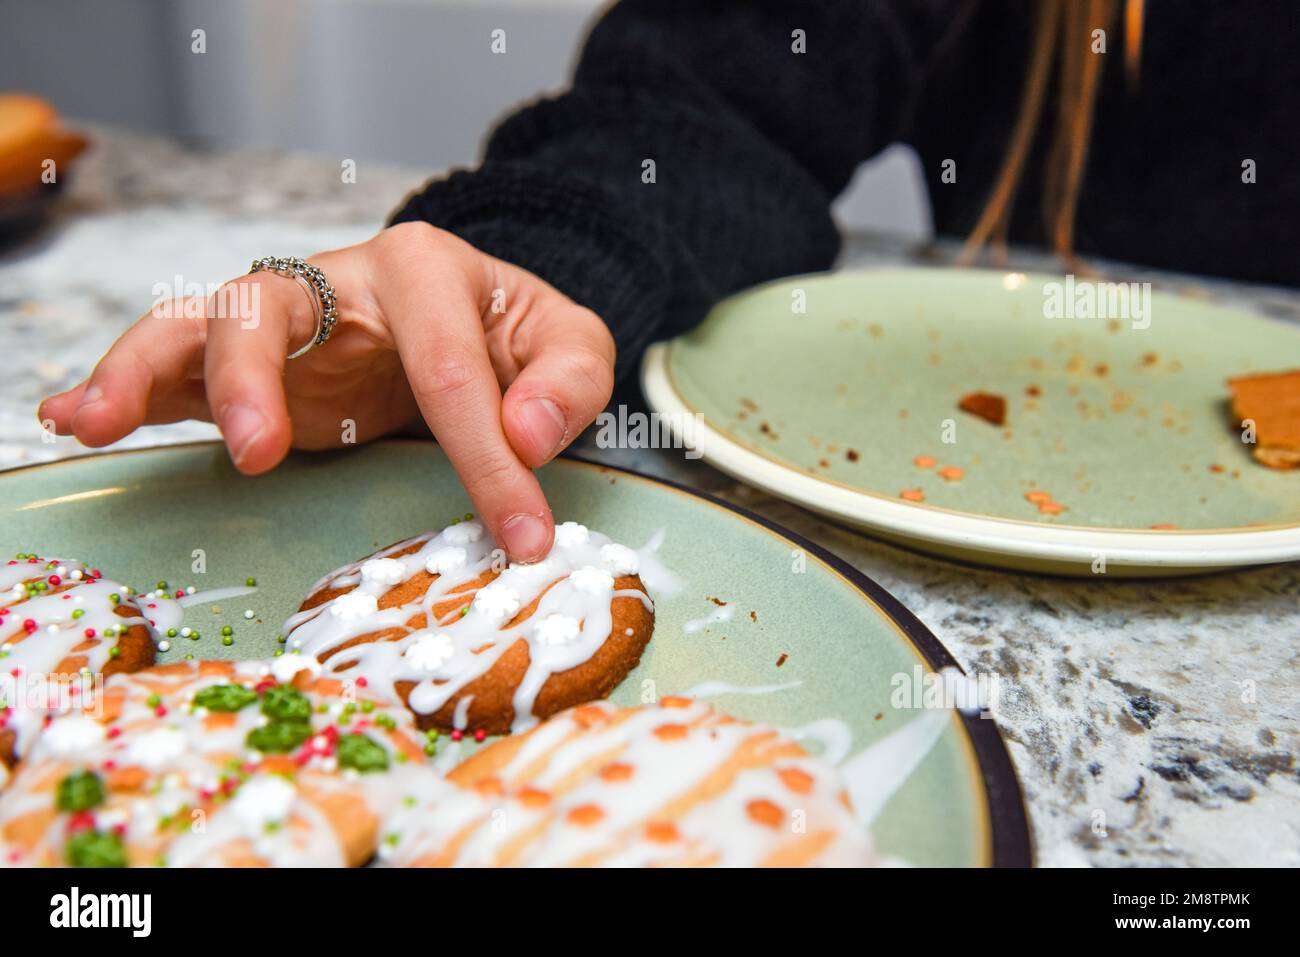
(211, 763)
(61, 624)
(676, 784)
(472, 644)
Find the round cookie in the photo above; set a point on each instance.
(60, 623)
(473, 644)
(211, 763)
(673, 784)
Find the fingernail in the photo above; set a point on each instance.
(544, 423)
(241, 426)
(526, 537)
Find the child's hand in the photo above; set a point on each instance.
(428, 328)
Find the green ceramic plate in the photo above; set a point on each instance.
(839, 639)
(1122, 421)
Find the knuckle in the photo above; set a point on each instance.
(448, 375)
(592, 371)
(490, 469)
(404, 240)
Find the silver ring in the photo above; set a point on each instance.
(318, 288)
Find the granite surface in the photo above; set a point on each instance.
(1151, 722)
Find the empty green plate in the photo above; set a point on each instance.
(829, 389)
(815, 644)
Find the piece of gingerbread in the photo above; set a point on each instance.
(672, 784)
(1270, 402)
(474, 645)
(62, 624)
(213, 763)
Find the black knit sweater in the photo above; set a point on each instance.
(750, 142)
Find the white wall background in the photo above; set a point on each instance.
(409, 81)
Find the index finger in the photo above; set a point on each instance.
(436, 318)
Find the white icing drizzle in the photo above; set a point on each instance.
(874, 775)
(573, 618)
(711, 689)
(831, 735)
(461, 718)
(718, 615)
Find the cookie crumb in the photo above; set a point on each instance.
(989, 406)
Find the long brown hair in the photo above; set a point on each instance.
(1061, 35)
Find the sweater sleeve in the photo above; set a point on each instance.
(697, 152)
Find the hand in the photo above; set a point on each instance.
(430, 331)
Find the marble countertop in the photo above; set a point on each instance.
(1168, 709)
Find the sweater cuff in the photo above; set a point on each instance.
(565, 231)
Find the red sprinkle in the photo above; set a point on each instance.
(55, 580)
(457, 734)
(160, 711)
(113, 732)
(80, 821)
(180, 593)
(90, 632)
(361, 682)
(480, 734)
(29, 624)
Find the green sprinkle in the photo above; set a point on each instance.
(80, 791)
(162, 586)
(432, 734)
(171, 632)
(361, 753)
(225, 697)
(286, 703)
(227, 631)
(96, 849)
(77, 613)
(115, 598)
(114, 652)
(431, 748)
(280, 638)
(194, 635)
(250, 582)
(469, 516)
(153, 701)
(367, 706)
(279, 736)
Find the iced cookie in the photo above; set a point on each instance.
(472, 644)
(675, 784)
(247, 764)
(60, 622)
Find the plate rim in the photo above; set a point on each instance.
(1166, 548)
(1008, 838)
